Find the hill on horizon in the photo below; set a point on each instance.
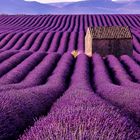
(81, 7)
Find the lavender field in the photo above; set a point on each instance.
(47, 94)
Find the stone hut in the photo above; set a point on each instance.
(116, 40)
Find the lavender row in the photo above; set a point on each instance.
(27, 104)
(18, 73)
(81, 77)
(120, 73)
(50, 42)
(127, 98)
(132, 67)
(63, 23)
(12, 62)
(81, 114)
(37, 76)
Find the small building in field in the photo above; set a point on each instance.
(116, 40)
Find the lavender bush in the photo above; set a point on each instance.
(25, 105)
(37, 76)
(97, 98)
(81, 114)
(18, 73)
(125, 97)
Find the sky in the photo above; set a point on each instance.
(59, 1)
(69, 6)
(125, 0)
(55, 1)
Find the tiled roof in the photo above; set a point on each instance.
(112, 32)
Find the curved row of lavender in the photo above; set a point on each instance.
(62, 23)
(39, 79)
(58, 33)
(19, 108)
(59, 42)
(80, 114)
(46, 93)
(19, 69)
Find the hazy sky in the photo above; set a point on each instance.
(54, 1)
(124, 0)
(59, 1)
